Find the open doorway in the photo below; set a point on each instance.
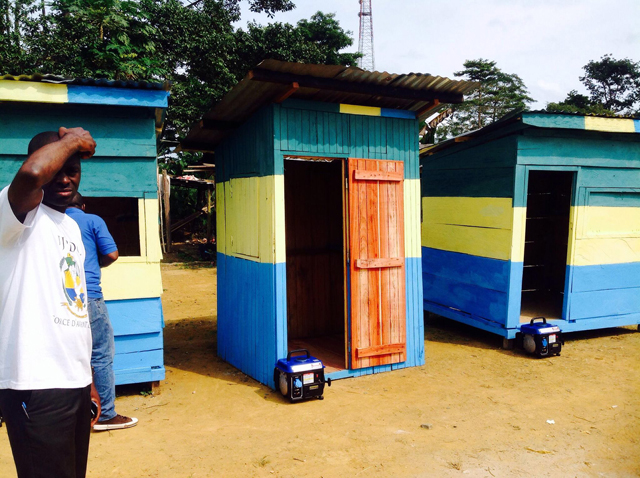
(546, 239)
(315, 259)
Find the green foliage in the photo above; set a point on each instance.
(579, 104)
(613, 83)
(498, 94)
(192, 44)
(613, 86)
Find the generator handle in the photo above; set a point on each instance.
(307, 354)
(544, 321)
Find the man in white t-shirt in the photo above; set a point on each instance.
(45, 335)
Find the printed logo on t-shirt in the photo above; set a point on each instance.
(73, 287)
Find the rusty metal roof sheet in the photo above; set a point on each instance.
(273, 79)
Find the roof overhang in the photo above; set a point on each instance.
(274, 81)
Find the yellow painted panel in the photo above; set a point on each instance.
(250, 218)
(573, 234)
(477, 241)
(279, 233)
(412, 218)
(11, 90)
(131, 280)
(220, 218)
(610, 221)
(467, 211)
(519, 229)
(360, 110)
(142, 233)
(613, 125)
(606, 250)
(242, 206)
(152, 221)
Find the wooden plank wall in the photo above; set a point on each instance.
(124, 166)
(467, 231)
(251, 285)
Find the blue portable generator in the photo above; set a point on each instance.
(540, 338)
(300, 376)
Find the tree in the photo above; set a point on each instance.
(579, 104)
(615, 84)
(498, 94)
(192, 44)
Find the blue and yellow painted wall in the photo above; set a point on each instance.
(252, 289)
(124, 123)
(474, 204)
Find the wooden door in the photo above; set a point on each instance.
(376, 262)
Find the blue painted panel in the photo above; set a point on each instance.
(636, 124)
(142, 375)
(587, 150)
(604, 277)
(135, 316)
(126, 344)
(610, 177)
(597, 323)
(604, 303)
(248, 316)
(249, 152)
(139, 360)
(117, 131)
(415, 314)
(516, 270)
(404, 114)
(468, 319)
(98, 95)
(477, 301)
(615, 198)
(553, 121)
(322, 132)
(473, 270)
(103, 177)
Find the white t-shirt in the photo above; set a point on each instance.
(45, 334)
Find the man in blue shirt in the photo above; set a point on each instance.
(101, 251)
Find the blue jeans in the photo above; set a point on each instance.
(102, 357)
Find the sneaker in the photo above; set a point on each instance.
(116, 423)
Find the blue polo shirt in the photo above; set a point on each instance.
(97, 241)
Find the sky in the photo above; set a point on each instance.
(545, 42)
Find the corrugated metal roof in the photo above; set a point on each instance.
(324, 83)
(138, 85)
(527, 119)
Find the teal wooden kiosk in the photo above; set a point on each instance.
(119, 184)
(318, 221)
(535, 215)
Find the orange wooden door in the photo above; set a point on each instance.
(376, 245)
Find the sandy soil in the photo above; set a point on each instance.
(473, 410)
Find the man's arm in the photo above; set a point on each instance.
(108, 259)
(25, 191)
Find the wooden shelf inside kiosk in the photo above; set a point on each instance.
(329, 349)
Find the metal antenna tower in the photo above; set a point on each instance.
(365, 41)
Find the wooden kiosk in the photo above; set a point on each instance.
(535, 215)
(317, 193)
(119, 184)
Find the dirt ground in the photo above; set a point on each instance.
(473, 410)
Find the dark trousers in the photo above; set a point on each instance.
(48, 431)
